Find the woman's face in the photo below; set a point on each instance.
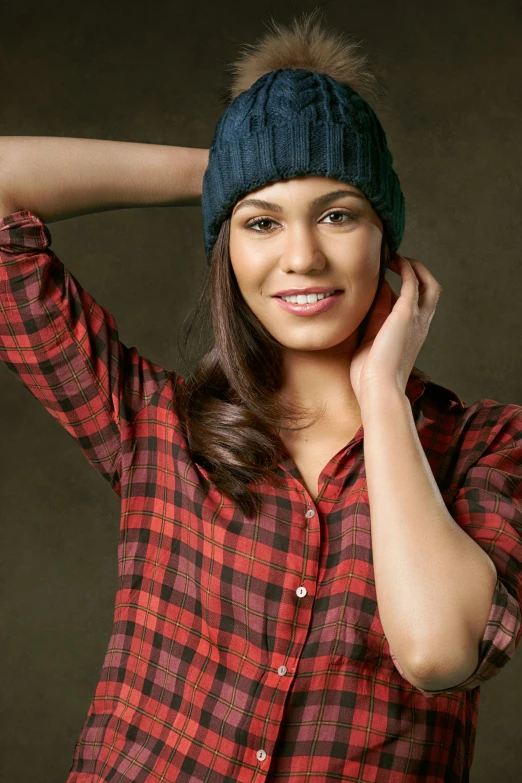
(295, 243)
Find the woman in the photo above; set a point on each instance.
(267, 625)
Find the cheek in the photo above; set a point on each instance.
(367, 247)
(368, 272)
(250, 272)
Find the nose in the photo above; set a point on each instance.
(302, 251)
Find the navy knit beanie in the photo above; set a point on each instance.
(295, 121)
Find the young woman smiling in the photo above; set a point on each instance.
(307, 601)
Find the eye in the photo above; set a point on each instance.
(345, 213)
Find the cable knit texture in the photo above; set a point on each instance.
(292, 123)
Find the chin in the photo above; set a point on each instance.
(316, 344)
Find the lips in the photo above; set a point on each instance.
(306, 291)
(310, 308)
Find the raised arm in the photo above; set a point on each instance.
(58, 178)
(61, 343)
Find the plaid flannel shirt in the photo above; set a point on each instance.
(251, 649)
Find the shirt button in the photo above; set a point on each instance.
(282, 670)
(261, 755)
(301, 592)
(310, 513)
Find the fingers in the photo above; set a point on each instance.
(428, 285)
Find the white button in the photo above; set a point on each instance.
(310, 513)
(301, 591)
(261, 755)
(282, 670)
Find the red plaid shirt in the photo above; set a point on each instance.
(251, 649)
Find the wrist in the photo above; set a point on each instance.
(196, 159)
(203, 165)
(379, 397)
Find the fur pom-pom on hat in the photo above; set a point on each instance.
(295, 109)
(307, 46)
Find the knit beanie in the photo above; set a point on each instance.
(295, 110)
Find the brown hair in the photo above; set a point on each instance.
(229, 404)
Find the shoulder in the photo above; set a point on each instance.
(480, 427)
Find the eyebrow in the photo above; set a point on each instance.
(321, 201)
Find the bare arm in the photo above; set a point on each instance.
(59, 178)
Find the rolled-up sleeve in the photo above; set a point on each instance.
(65, 348)
(488, 507)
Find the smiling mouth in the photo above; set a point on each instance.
(310, 308)
(337, 291)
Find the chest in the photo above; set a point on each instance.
(312, 451)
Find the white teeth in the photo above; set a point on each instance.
(306, 298)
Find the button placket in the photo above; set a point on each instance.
(282, 670)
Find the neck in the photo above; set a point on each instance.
(321, 383)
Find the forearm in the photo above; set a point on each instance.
(434, 584)
(59, 178)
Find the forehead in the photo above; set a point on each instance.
(305, 186)
(317, 191)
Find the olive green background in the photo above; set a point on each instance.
(153, 72)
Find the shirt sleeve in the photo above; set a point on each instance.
(64, 346)
(488, 507)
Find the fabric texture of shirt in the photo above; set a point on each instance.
(250, 649)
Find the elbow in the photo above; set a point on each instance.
(446, 667)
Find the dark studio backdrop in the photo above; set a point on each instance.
(153, 72)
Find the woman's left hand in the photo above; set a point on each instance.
(396, 330)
